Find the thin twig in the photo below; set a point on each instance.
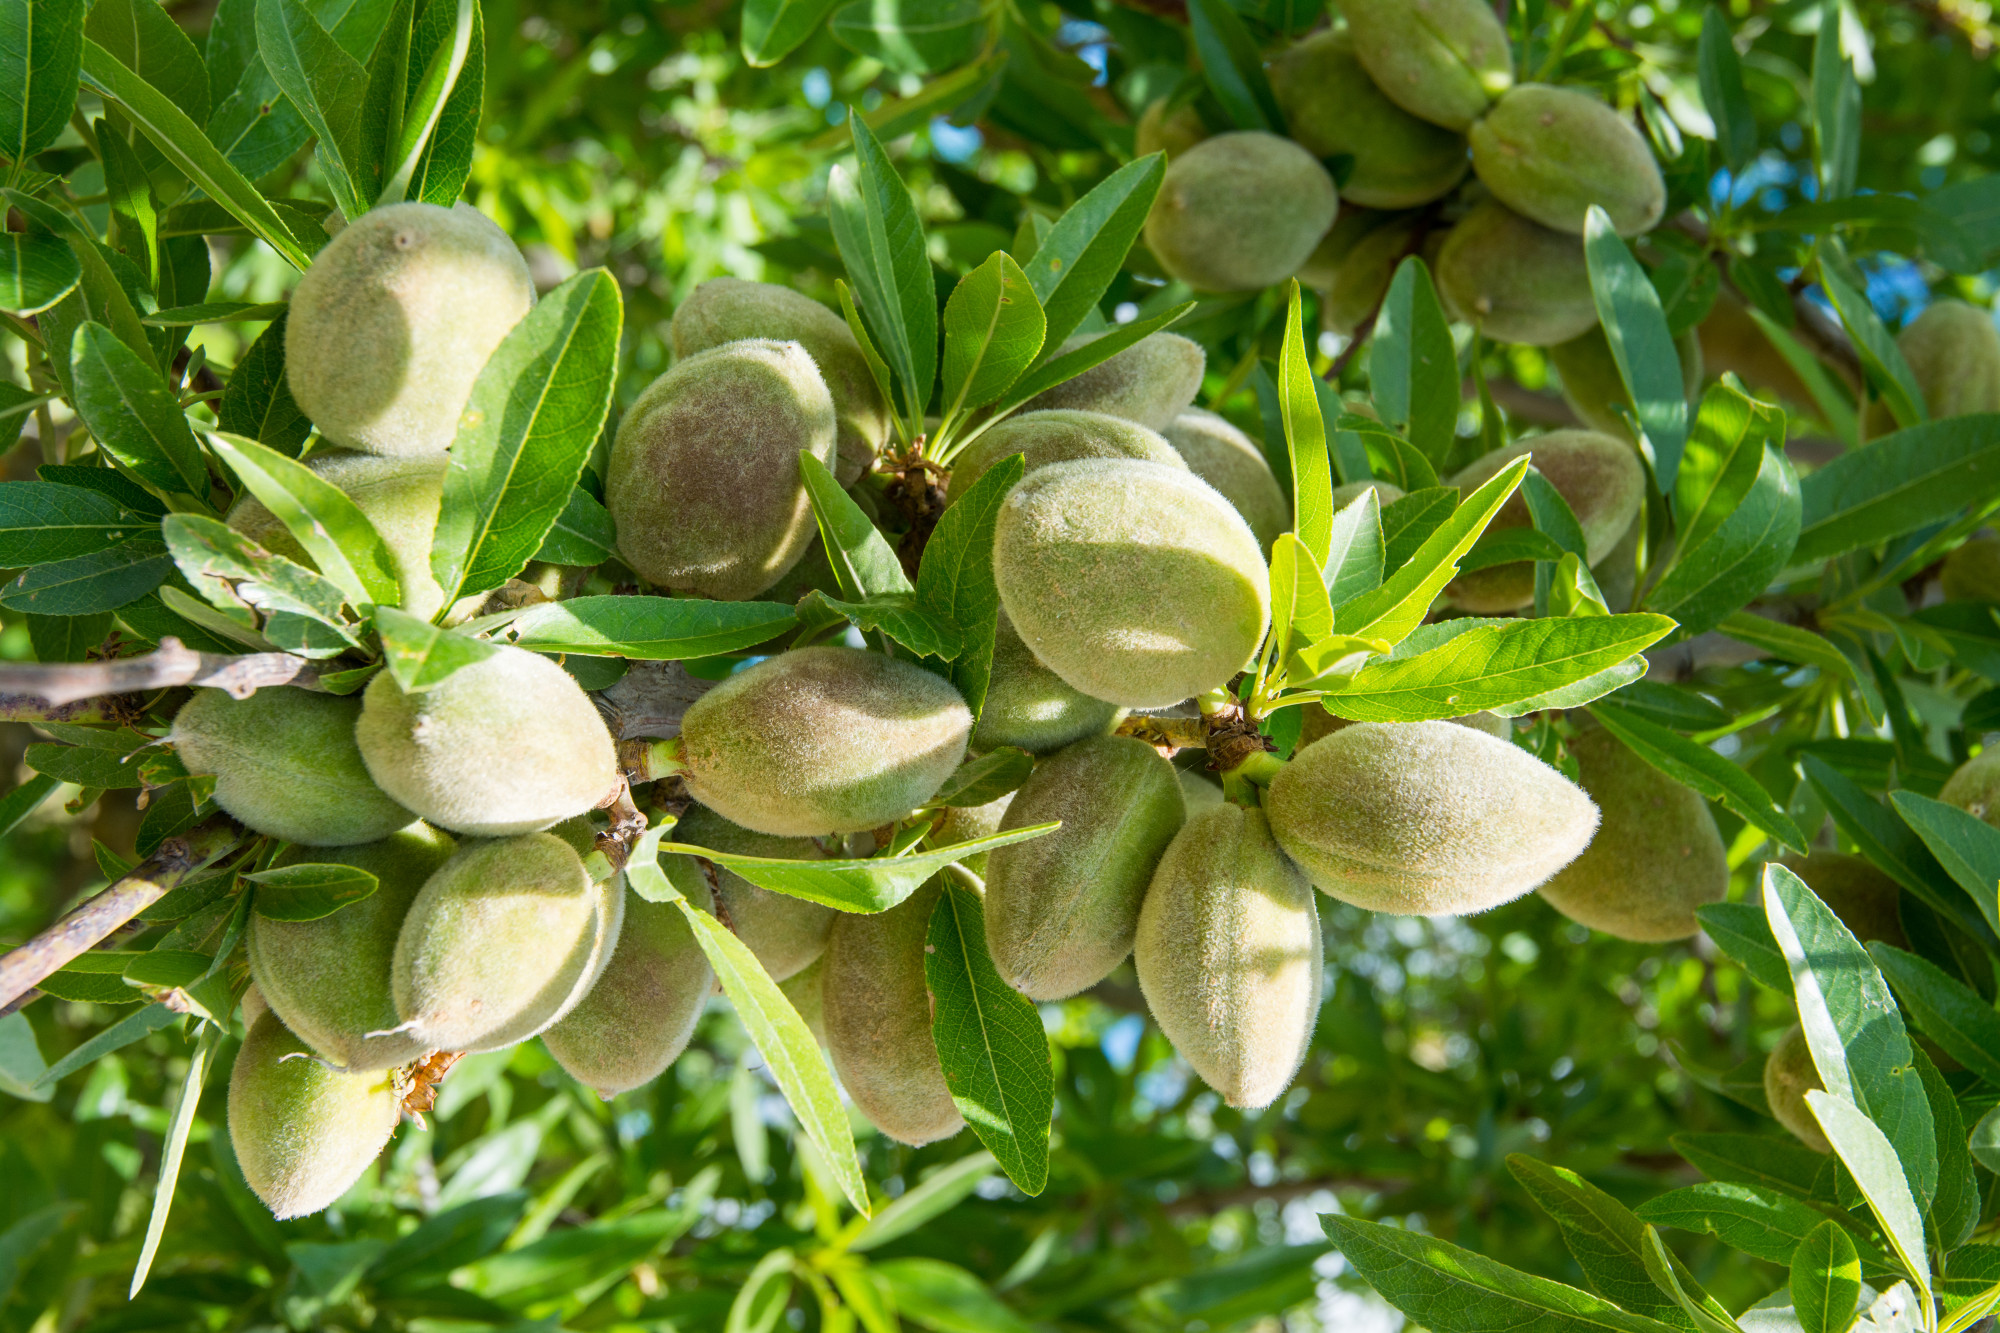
(173, 664)
(112, 708)
(176, 861)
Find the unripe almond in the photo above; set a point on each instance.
(1031, 707)
(1972, 572)
(1240, 211)
(639, 1016)
(302, 1132)
(286, 763)
(1441, 60)
(1058, 436)
(1333, 108)
(1600, 478)
(1515, 279)
(1165, 129)
(1975, 786)
(1061, 908)
(1151, 382)
(1229, 957)
(1227, 459)
(1789, 1074)
(1550, 153)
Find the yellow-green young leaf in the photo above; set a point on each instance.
(993, 328)
(955, 581)
(875, 224)
(657, 629)
(1413, 365)
(1301, 613)
(989, 1040)
(1877, 1170)
(307, 892)
(1305, 437)
(419, 654)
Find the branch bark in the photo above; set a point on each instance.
(176, 862)
(174, 663)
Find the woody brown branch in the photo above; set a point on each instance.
(57, 683)
(175, 862)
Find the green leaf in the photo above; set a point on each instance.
(1956, 1204)
(1736, 559)
(1826, 1270)
(872, 884)
(23, 801)
(41, 49)
(419, 654)
(257, 403)
(1880, 356)
(321, 518)
(1758, 1221)
(993, 327)
(1413, 365)
(1836, 110)
(1354, 559)
(947, 1299)
(1966, 846)
(989, 1041)
(773, 28)
(1722, 92)
(36, 271)
(1722, 461)
(1234, 67)
(931, 1197)
(1781, 1163)
(1489, 666)
(863, 564)
(986, 778)
(1068, 365)
(440, 115)
(85, 766)
(181, 141)
(173, 1146)
(535, 412)
(1603, 1235)
(781, 1036)
(1888, 842)
(42, 521)
(583, 535)
(1300, 608)
(1740, 930)
(915, 36)
(235, 574)
(143, 37)
(898, 615)
(1789, 643)
(1305, 438)
(1399, 605)
(1636, 327)
(1451, 1290)
(881, 240)
(657, 629)
(1852, 1026)
(136, 1027)
(1697, 766)
(307, 892)
(955, 580)
(1881, 1175)
(101, 581)
(1954, 1016)
(326, 85)
(1084, 250)
(1898, 484)
(133, 413)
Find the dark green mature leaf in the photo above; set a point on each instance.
(986, 778)
(41, 48)
(1751, 1218)
(881, 240)
(993, 327)
(307, 892)
(989, 1040)
(133, 412)
(326, 85)
(1966, 846)
(1701, 768)
(257, 403)
(419, 654)
(772, 28)
(946, 1298)
(1489, 666)
(863, 564)
(234, 573)
(1949, 1012)
(101, 581)
(1781, 1163)
(67, 638)
(1413, 365)
(1956, 1204)
(446, 161)
(1603, 1235)
(1836, 112)
(915, 36)
(955, 580)
(1087, 246)
(36, 271)
(583, 533)
(1234, 67)
(1900, 483)
(1400, 604)
(781, 1036)
(1722, 92)
(85, 765)
(1451, 1290)
(1888, 842)
(1877, 348)
(659, 629)
(42, 521)
(1305, 438)
(321, 518)
(1881, 1174)
(1740, 930)
(900, 615)
(1636, 327)
(1826, 1271)
(181, 141)
(535, 412)
(142, 36)
(1068, 365)
(871, 884)
(1852, 1027)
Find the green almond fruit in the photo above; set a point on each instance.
(1953, 351)
(1030, 707)
(303, 1132)
(1229, 460)
(1594, 387)
(1229, 957)
(1514, 279)
(1425, 818)
(1061, 909)
(1972, 572)
(285, 762)
(394, 321)
(1058, 436)
(329, 980)
(1598, 476)
(1789, 1074)
(641, 1013)
(1443, 61)
(1151, 382)
(1334, 109)
(1165, 128)
(1240, 211)
(1975, 787)
(1551, 153)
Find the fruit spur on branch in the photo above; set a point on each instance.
(896, 666)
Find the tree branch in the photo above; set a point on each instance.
(173, 664)
(176, 862)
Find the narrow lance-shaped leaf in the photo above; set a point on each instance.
(320, 516)
(772, 28)
(1086, 247)
(1826, 1274)
(1722, 91)
(133, 413)
(419, 654)
(1636, 327)
(178, 1127)
(1413, 365)
(325, 84)
(1305, 433)
(993, 328)
(1695, 765)
(956, 578)
(1877, 349)
(41, 50)
(875, 225)
(863, 564)
(1874, 1163)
